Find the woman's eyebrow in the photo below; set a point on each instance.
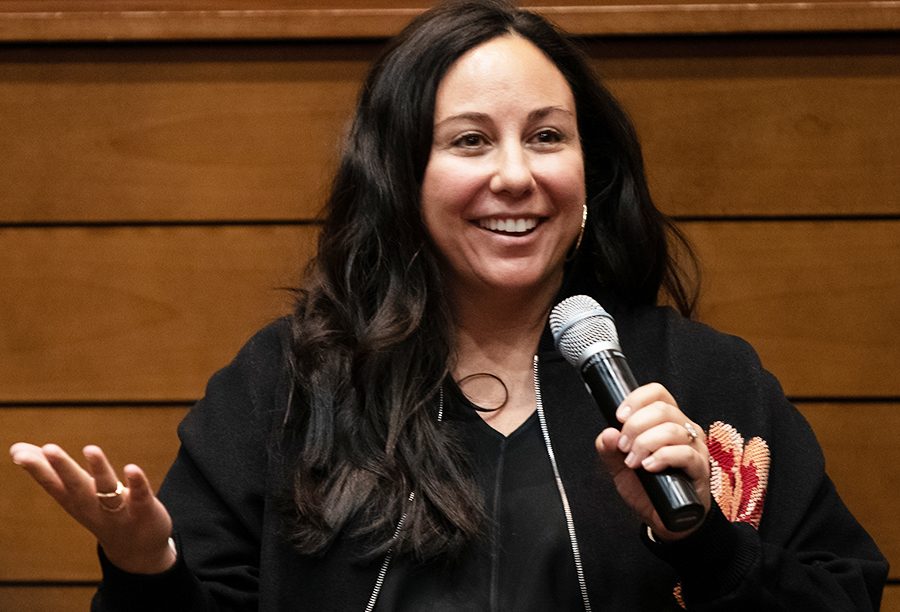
(536, 114)
(467, 116)
(540, 113)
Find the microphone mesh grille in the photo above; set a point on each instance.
(578, 322)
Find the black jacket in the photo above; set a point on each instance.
(808, 552)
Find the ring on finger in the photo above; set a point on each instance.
(120, 488)
(692, 432)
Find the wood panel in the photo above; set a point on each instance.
(115, 314)
(45, 598)
(774, 127)
(781, 126)
(40, 541)
(155, 20)
(863, 459)
(171, 133)
(891, 600)
(149, 313)
(818, 300)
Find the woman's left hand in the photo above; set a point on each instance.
(655, 435)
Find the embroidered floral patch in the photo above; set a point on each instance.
(739, 474)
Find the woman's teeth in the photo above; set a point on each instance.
(509, 226)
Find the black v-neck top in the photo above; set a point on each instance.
(524, 560)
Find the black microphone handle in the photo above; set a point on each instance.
(609, 379)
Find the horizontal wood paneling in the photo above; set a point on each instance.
(819, 301)
(891, 601)
(40, 541)
(136, 313)
(781, 126)
(45, 598)
(93, 20)
(765, 127)
(163, 133)
(863, 459)
(95, 314)
(774, 126)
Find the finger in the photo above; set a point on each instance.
(140, 493)
(693, 463)
(105, 479)
(31, 458)
(649, 441)
(607, 448)
(75, 479)
(19, 450)
(646, 418)
(643, 396)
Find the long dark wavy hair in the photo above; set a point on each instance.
(372, 331)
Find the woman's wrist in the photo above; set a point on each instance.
(147, 562)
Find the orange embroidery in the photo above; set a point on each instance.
(739, 474)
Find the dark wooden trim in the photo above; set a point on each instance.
(80, 20)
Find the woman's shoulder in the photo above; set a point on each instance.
(263, 358)
(255, 384)
(664, 332)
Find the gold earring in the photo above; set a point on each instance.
(574, 250)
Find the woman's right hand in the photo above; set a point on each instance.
(133, 527)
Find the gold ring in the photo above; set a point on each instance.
(120, 488)
(691, 431)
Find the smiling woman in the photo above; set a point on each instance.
(411, 439)
(503, 191)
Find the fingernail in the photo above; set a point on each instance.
(648, 461)
(629, 460)
(623, 412)
(624, 443)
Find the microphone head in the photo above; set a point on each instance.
(581, 328)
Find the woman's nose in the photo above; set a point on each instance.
(513, 173)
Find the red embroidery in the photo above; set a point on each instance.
(739, 474)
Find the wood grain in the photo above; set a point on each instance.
(17, 598)
(171, 133)
(162, 20)
(775, 127)
(147, 314)
(818, 300)
(122, 314)
(779, 126)
(863, 459)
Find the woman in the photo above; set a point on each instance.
(410, 438)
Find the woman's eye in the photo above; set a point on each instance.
(547, 137)
(469, 141)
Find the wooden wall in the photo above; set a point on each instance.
(162, 164)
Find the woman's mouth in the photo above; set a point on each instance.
(511, 225)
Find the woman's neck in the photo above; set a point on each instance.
(499, 338)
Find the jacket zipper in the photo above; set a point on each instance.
(385, 564)
(570, 523)
(382, 572)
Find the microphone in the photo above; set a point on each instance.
(586, 336)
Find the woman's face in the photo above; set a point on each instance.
(504, 188)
